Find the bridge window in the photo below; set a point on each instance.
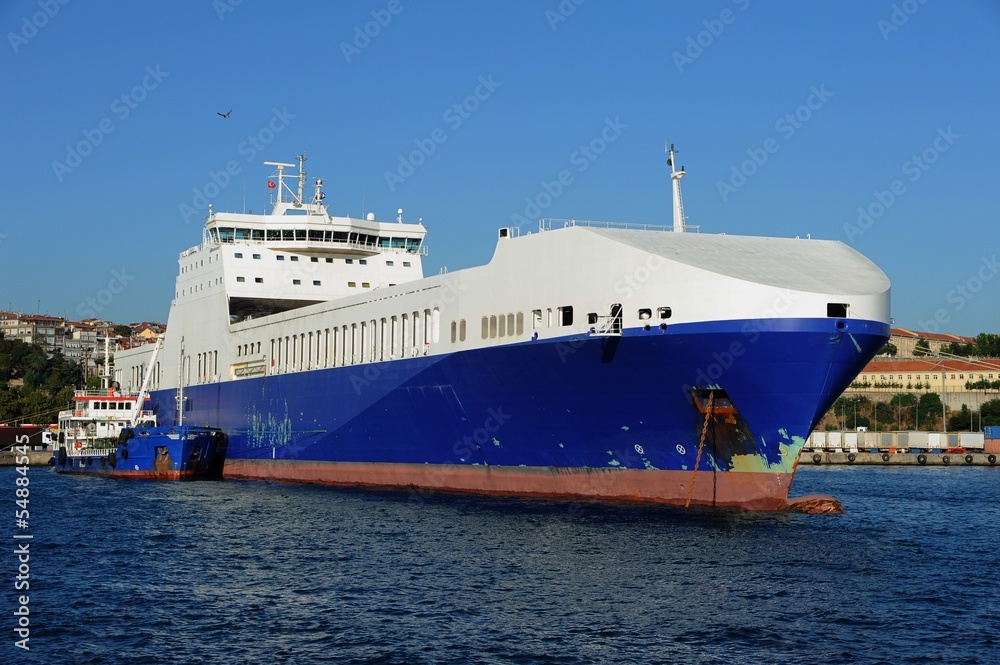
(241, 279)
(296, 281)
(238, 255)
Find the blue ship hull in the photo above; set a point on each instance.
(583, 416)
(161, 453)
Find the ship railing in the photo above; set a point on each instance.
(549, 224)
(106, 392)
(607, 326)
(91, 452)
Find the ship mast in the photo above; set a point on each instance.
(302, 180)
(281, 179)
(676, 176)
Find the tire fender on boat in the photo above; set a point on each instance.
(992, 459)
(885, 457)
(817, 458)
(945, 459)
(61, 458)
(851, 457)
(921, 459)
(968, 459)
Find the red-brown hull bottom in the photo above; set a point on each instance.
(743, 490)
(146, 475)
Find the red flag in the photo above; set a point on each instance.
(270, 185)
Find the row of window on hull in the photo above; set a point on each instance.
(388, 338)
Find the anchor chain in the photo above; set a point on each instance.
(701, 447)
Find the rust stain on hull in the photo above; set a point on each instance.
(767, 491)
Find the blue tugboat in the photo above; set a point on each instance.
(97, 437)
(182, 452)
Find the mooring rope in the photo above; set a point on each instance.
(701, 447)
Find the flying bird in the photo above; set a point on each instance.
(224, 115)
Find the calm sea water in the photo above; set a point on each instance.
(239, 572)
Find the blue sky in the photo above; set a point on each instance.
(874, 123)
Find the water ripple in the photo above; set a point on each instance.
(138, 572)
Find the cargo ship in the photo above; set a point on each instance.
(586, 361)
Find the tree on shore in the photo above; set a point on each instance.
(46, 383)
